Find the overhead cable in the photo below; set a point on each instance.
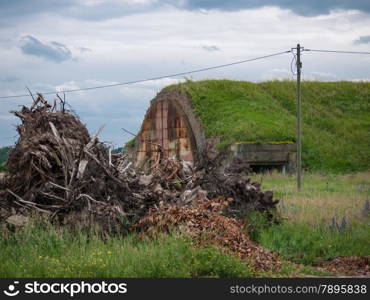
(152, 78)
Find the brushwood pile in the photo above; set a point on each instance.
(57, 169)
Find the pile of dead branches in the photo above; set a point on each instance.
(205, 223)
(56, 168)
(175, 181)
(235, 183)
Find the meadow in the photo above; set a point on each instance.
(330, 217)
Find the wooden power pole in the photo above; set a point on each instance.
(299, 137)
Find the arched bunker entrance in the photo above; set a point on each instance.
(169, 127)
(172, 129)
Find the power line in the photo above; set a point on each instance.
(153, 78)
(336, 51)
(125, 130)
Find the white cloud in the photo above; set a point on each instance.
(279, 74)
(70, 85)
(360, 79)
(164, 41)
(320, 76)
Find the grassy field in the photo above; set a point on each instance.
(328, 218)
(45, 251)
(50, 252)
(323, 196)
(336, 117)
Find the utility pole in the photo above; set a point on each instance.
(299, 138)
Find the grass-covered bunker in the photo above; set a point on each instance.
(194, 120)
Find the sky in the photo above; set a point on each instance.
(56, 45)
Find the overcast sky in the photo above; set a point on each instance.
(51, 45)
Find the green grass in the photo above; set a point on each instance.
(50, 252)
(302, 243)
(323, 196)
(306, 234)
(47, 252)
(336, 117)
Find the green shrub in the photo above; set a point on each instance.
(130, 144)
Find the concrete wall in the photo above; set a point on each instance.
(281, 156)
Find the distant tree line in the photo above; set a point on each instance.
(4, 152)
(117, 150)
